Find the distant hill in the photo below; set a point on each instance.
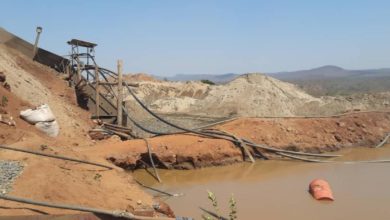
(321, 81)
(334, 80)
(327, 72)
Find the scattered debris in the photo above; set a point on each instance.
(7, 119)
(99, 134)
(106, 130)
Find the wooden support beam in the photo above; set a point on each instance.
(97, 90)
(120, 93)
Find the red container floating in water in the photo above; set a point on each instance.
(320, 190)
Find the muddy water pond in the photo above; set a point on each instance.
(279, 189)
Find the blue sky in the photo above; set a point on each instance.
(167, 37)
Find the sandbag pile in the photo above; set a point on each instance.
(43, 119)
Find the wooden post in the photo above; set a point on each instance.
(35, 49)
(97, 99)
(120, 93)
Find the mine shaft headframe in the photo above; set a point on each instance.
(75, 44)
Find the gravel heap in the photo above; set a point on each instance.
(9, 171)
(253, 94)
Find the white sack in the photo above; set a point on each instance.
(42, 113)
(50, 128)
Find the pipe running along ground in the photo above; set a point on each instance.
(116, 213)
(330, 161)
(55, 156)
(265, 147)
(158, 190)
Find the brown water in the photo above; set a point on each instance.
(278, 189)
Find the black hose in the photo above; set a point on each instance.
(55, 156)
(329, 161)
(265, 147)
(301, 158)
(158, 190)
(152, 161)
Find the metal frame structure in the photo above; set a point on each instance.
(95, 85)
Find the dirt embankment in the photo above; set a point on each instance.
(37, 84)
(53, 180)
(315, 135)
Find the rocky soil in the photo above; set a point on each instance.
(9, 171)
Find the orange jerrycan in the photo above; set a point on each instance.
(320, 190)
